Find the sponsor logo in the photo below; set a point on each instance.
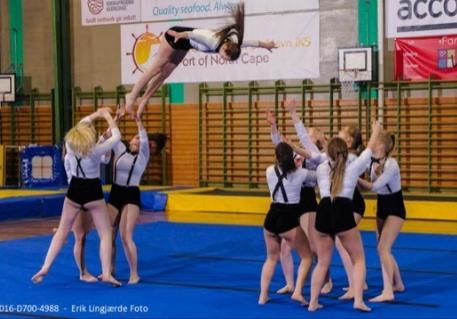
(95, 6)
(144, 49)
(415, 11)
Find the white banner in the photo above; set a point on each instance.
(418, 18)
(97, 12)
(296, 58)
(153, 10)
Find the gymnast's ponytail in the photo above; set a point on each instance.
(233, 50)
(338, 153)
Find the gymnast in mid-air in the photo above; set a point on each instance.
(227, 42)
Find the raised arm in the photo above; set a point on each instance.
(359, 165)
(271, 120)
(144, 141)
(300, 129)
(115, 137)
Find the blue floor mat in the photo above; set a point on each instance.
(208, 271)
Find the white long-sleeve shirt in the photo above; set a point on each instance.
(351, 175)
(127, 164)
(205, 40)
(89, 166)
(316, 157)
(292, 184)
(390, 176)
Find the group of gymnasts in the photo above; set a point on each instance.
(84, 153)
(84, 198)
(296, 220)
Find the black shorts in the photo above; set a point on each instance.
(84, 190)
(181, 44)
(335, 216)
(359, 202)
(282, 217)
(390, 204)
(308, 200)
(120, 196)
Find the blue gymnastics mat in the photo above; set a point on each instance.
(208, 271)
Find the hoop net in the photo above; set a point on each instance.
(348, 80)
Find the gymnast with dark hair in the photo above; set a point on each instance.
(314, 141)
(282, 221)
(124, 199)
(177, 41)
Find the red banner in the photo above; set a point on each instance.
(420, 58)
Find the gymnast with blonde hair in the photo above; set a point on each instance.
(85, 191)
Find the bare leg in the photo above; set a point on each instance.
(69, 212)
(324, 246)
(391, 228)
(155, 83)
(101, 220)
(313, 235)
(273, 245)
(296, 238)
(287, 265)
(347, 263)
(398, 284)
(352, 242)
(113, 213)
(160, 60)
(81, 228)
(128, 223)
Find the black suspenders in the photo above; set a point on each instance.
(79, 167)
(131, 168)
(376, 160)
(280, 185)
(115, 166)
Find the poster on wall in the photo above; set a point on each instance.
(153, 10)
(296, 58)
(419, 18)
(99, 12)
(419, 58)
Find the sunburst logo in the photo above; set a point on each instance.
(144, 49)
(95, 6)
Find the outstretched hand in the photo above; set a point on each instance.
(271, 117)
(291, 105)
(269, 45)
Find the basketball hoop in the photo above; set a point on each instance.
(347, 82)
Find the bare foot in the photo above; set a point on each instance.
(383, 297)
(129, 102)
(313, 307)
(285, 290)
(87, 277)
(134, 280)
(349, 295)
(299, 298)
(38, 277)
(399, 288)
(362, 307)
(111, 280)
(327, 288)
(263, 299)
